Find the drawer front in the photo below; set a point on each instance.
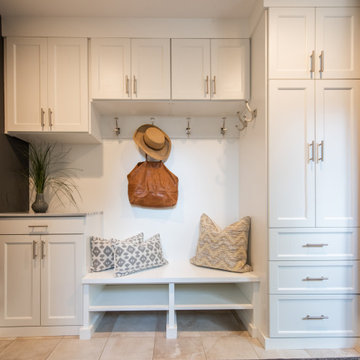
(313, 244)
(42, 225)
(313, 277)
(313, 316)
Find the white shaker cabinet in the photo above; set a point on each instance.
(46, 85)
(216, 69)
(190, 60)
(291, 153)
(42, 261)
(41, 280)
(309, 43)
(19, 281)
(130, 68)
(313, 179)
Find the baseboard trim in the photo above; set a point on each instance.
(39, 331)
(307, 343)
(86, 332)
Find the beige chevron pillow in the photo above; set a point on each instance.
(223, 249)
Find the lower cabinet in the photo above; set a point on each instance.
(314, 283)
(40, 280)
(42, 261)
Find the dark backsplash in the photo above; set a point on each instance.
(14, 162)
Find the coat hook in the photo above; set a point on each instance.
(223, 130)
(188, 129)
(152, 119)
(117, 129)
(244, 120)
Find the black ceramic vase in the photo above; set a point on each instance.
(40, 205)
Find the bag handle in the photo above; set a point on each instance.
(146, 158)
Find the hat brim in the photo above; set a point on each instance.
(161, 154)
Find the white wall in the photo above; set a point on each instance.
(208, 172)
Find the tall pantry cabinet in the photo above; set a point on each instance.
(313, 171)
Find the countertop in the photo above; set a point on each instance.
(31, 214)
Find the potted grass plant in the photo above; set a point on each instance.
(48, 172)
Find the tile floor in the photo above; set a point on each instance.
(213, 335)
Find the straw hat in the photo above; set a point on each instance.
(153, 141)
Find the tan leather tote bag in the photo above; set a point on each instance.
(152, 184)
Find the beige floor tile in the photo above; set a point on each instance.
(139, 324)
(26, 349)
(4, 344)
(277, 354)
(228, 348)
(209, 323)
(76, 349)
(179, 349)
(106, 325)
(128, 348)
(324, 353)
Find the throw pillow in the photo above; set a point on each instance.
(102, 254)
(130, 257)
(223, 249)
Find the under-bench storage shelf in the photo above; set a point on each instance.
(176, 286)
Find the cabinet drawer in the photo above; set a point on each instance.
(42, 225)
(313, 316)
(309, 277)
(313, 244)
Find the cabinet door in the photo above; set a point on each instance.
(150, 68)
(67, 84)
(19, 280)
(338, 134)
(190, 60)
(61, 293)
(338, 36)
(291, 153)
(26, 84)
(291, 43)
(230, 69)
(110, 68)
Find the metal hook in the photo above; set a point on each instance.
(244, 120)
(223, 130)
(152, 119)
(188, 129)
(117, 129)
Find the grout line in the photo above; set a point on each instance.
(102, 351)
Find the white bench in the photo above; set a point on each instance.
(173, 287)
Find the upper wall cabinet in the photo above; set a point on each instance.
(215, 69)
(130, 69)
(46, 85)
(305, 43)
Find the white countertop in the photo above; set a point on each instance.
(49, 214)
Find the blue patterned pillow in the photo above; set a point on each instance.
(131, 257)
(102, 253)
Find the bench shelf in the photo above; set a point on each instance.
(173, 287)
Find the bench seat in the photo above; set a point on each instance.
(173, 287)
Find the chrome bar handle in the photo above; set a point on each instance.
(214, 85)
(315, 245)
(50, 118)
(42, 118)
(321, 146)
(207, 84)
(321, 62)
(135, 86)
(43, 249)
(322, 278)
(312, 61)
(312, 146)
(321, 317)
(127, 87)
(34, 248)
